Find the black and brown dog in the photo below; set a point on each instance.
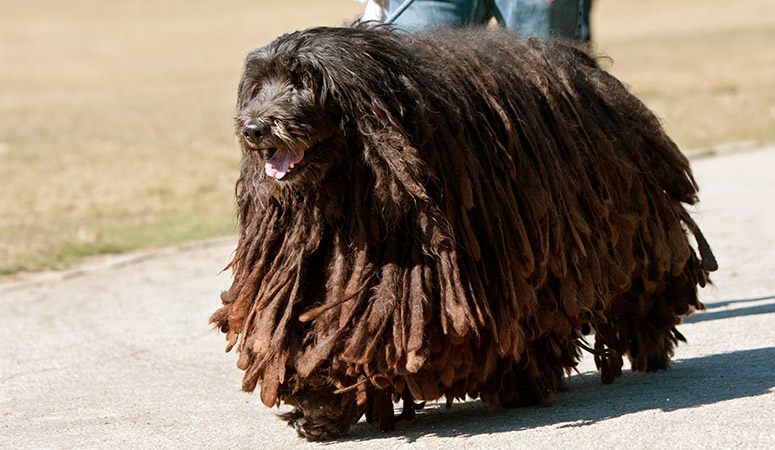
(447, 215)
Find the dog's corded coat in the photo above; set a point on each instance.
(447, 214)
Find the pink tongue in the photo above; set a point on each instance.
(277, 166)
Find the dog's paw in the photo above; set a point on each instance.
(309, 429)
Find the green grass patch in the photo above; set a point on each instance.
(91, 240)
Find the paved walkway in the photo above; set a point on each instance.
(119, 355)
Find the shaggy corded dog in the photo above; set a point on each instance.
(447, 215)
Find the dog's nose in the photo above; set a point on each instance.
(255, 131)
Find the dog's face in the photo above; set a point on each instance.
(283, 120)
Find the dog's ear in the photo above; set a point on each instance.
(306, 73)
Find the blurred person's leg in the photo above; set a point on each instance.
(586, 32)
(430, 13)
(541, 18)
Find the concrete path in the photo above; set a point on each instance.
(119, 354)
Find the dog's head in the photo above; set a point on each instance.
(284, 119)
(323, 99)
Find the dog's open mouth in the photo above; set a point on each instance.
(281, 163)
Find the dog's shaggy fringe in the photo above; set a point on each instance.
(480, 203)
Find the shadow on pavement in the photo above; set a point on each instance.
(689, 383)
(748, 311)
(725, 303)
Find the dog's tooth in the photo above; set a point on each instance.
(292, 165)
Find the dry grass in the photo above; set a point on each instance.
(116, 128)
(707, 67)
(116, 125)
